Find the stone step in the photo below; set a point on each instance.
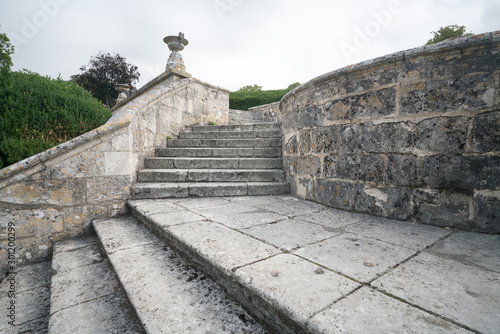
(210, 175)
(168, 294)
(274, 152)
(219, 163)
(230, 251)
(305, 268)
(232, 128)
(230, 134)
(207, 189)
(86, 296)
(233, 143)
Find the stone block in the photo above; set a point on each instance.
(108, 189)
(305, 187)
(336, 194)
(354, 167)
(471, 92)
(484, 172)
(391, 202)
(307, 117)
(445, 171)
(451, 209)
(290, 234)
(369, 311)
(402, 170)
(485, 133)
(117, 163)
(218, 189)
(84, 164)
(305, 141)
(121, 143)
(442, 135)
(309, 164)
(465, 294)
(325, 139)
(349, 139)
(360, 258)
(64, 192)
(405, 234)
(309, 288)
(487, 213)
(268, 188)
(291, 147)
(372, 104)
(473, 249)
(387, 138)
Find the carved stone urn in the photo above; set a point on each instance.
(123, 89)
(176, 44)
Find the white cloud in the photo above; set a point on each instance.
(271, 43)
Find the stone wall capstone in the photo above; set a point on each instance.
(412, 136)
(56, 194)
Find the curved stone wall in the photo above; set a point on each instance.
(412, 136)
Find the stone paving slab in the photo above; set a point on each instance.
(222, 247)
(477, 249)
(86, 297)
(31, 287)
(95, 317)
(356, 256)
(405, 234)
(369, 311)
(169, 295)
(248, 219)
(295, 286)
(389, 289)
(463, 293)
(290, 234)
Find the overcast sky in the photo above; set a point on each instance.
(232, 43)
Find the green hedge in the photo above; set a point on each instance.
(243, 100)
(37, 113)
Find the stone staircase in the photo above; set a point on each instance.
(224, 160)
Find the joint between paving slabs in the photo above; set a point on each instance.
(426, 310)
(84, 302)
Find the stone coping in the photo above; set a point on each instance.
(264, 105)
(162, 77)
(122, 118)
(400, 56)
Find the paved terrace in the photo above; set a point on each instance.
(332, 271)
(302, 266)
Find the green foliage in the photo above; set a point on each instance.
(37, 113)
(245, 99)
(447, 32)
(211, 123)
(250, 88)
(6, 49)
(103, 72)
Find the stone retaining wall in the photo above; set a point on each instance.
(56, 194)
(412, 136)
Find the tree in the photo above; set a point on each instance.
(447, 32)
(250, 88)
(103, 72)
(6, 49)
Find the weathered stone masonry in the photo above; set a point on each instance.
(56, 194)
(412, 136)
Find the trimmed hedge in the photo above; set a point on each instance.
(243, 100)
(37, 113)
